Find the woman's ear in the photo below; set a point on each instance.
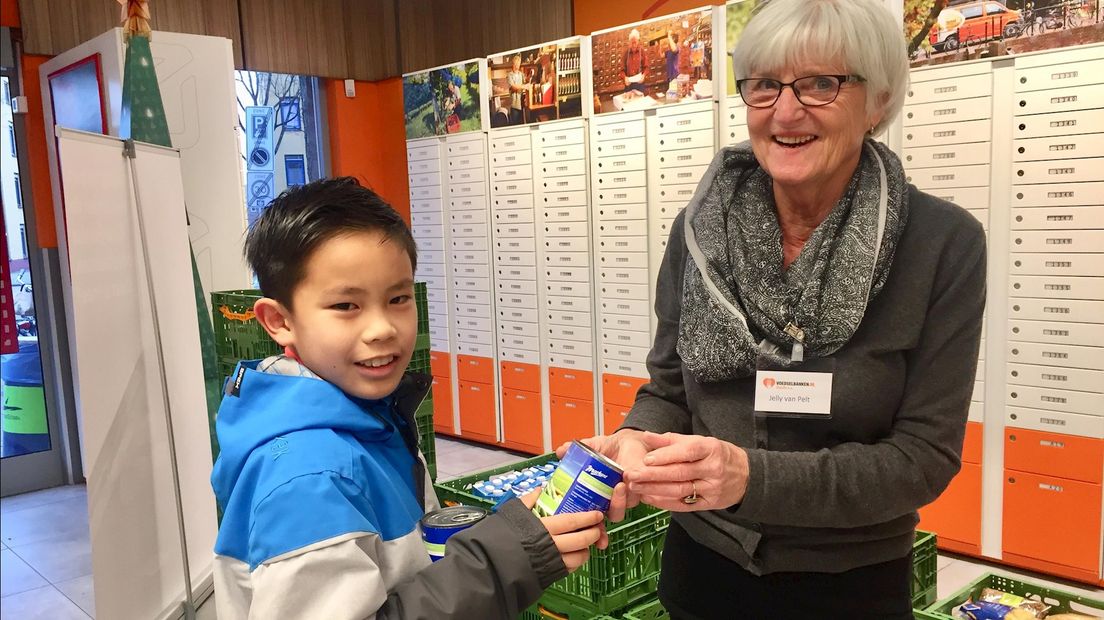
(276, 320)
(879, 112)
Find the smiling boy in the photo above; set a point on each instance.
(320, 476)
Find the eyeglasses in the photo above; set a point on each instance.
(813, 90)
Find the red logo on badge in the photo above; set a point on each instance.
(768, 382)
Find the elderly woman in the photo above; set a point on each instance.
(819, 321)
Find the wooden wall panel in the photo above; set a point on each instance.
(371, 34)
(54, 26)
(360, 39)
(438, 32)
(294, 36)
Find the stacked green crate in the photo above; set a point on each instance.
(924, 567)
(620, 577)
(238, 334)
(1060, 602)
(419, 362)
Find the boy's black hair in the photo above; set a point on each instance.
(301, 218)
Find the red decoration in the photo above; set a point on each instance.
(9, 333)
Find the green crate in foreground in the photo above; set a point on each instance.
(615, 577)
(925, 565)
(1060, 601)
(650, 610)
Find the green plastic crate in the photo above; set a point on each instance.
(238, 335)
(425, 410)
(421, 301)
(226, 367)
(1059, 600)
(925, 565)
(537, 613)
(650, 610)
(427, 441)
(615, 577)
(419, 362)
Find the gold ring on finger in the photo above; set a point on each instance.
(693, 497)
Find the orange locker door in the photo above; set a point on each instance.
(956, 516)
(477, 411)
(620, 390)
(1054, 454)
(571, 383)
(521, 420)
(612, 417)
(571, 419)
(440, 364)
(1052, 519)
(971, 445)
(517, 376)
(475, 369)
(442, 405)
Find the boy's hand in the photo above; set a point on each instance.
(573, 532)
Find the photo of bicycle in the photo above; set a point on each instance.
(941, 31)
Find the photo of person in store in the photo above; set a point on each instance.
(662, 61)
(518, 89)
(634, 64)
(806, 250)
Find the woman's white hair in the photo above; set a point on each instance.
(859, 34)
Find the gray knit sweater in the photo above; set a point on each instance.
(832, 495)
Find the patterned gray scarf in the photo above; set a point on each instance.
(738, 302)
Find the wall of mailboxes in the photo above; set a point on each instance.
(541, 244)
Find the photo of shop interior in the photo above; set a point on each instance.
(535, 85)
(653, 63)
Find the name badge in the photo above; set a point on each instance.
(794, 393)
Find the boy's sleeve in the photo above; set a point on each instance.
(339, 581)
(492, 570)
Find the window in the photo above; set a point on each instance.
(295, 170)
(7, 94)
(289, 114)
(11, 134)
(23, 238)
(971, 12)
(993, 8)
(18, 192)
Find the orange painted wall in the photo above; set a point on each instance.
(41, 192)
(9, 13)
(367, 137)
(591, 15)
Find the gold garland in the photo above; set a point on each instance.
(135, 18)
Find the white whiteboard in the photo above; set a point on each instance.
(136, 559)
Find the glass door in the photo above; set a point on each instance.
(29, 433)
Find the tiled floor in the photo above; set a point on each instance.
(45, 557)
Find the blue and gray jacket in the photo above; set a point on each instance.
(322, 497)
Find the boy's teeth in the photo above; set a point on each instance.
(379, 361)
(789, 140)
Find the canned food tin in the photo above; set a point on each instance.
(583, 481)
(439, 525)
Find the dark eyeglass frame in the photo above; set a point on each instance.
(842, 79)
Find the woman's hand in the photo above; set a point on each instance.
(626, 448)
(677, 467)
